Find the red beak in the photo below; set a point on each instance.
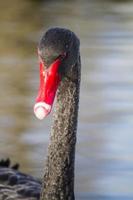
(49, 81)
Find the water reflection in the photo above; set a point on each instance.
(104, 159)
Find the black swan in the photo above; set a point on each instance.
(59, 59)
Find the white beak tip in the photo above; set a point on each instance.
(41, 110)
(40, 113)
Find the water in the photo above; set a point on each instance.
(104, 156)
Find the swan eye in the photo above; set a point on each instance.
(62, 56)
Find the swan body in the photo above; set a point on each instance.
(60, 66)
(17, 185)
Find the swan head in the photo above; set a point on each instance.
(58, 52)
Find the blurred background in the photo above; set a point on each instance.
(104, 153)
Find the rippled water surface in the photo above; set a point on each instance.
(104, 156)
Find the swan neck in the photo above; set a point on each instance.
(59, 174)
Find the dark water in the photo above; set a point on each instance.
(104, 156)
